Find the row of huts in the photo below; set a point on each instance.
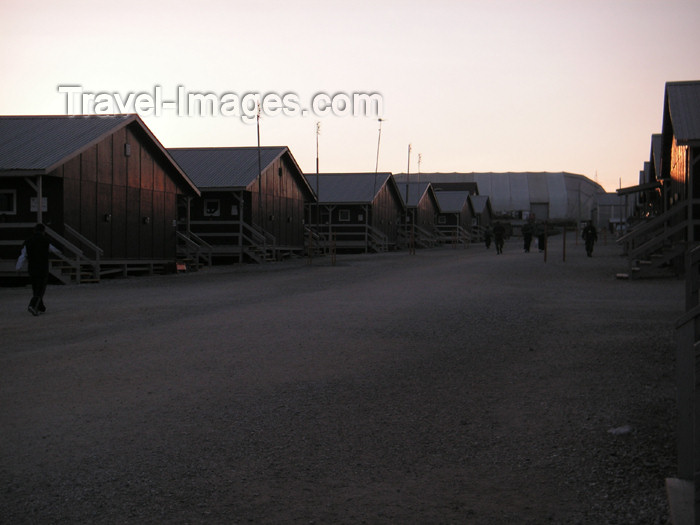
(665, 233)
(117, 201)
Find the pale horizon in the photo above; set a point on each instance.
(475, 86)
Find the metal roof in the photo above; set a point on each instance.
(414, 190)
(683, 101)
(480, 203)
(645, 175)
(655, 155)
(452, 201)
(225, 167)
(347, 188)
(37, 144)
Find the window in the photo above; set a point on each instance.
(344, 215)
(8, 202)
(442, 219)
(212, 208)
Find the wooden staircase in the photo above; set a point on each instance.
(656, 246)
(454, 234)
(423, 238)
(193, 252)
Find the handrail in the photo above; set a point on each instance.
(658, 240)
(196, 238)
(195, 242)
(98, 251)
(377, 238)
(654, 223)
(65, 243)
(80, 257)
(267, 236)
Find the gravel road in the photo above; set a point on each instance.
(453, 386)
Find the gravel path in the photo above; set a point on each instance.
(453, 386)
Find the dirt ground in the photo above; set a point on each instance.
(453, 386)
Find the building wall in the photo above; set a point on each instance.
(124, 203)
(386, 213)
(449, 219)
(26, 202)
(463, 218)
(215, 216)
(679, 171)
(426, 212)
(282, 203)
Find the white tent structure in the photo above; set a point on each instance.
(547, 195)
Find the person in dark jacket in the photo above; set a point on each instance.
(36, 251)
(590, 236)
(527, 235)
(499, 234)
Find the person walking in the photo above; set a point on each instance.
(590, 236)
(35, 251)
(541, 236)
(527, 236)
(499, 233)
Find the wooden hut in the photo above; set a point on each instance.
(422, 209)
(356, 211)
(483, 215)
(252, 202)
(661, 240)
(104, 186)
(647, 198)
(680, 227)
(455, 219)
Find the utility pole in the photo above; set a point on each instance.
(408, 172)
(260, 210)
(379, 139)
(376, 165)
(412, 238)
(318, 220)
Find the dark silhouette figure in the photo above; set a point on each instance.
(487, 238)
(499, 233)
(36, 251)
(590, 236)
(527, 236)
(541, 237)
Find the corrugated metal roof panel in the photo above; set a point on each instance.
(349, 188)
(452, 201)
(38, 143)
(224, 167)
(479, 202)
(656, 148)
(415, 191)
(684, 107)
(646, 174)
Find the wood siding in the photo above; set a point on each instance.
(124, 204)
(282, 201)
(678, 166)
(386, 212)
(426, 211)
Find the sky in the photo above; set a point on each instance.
(501, 85)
